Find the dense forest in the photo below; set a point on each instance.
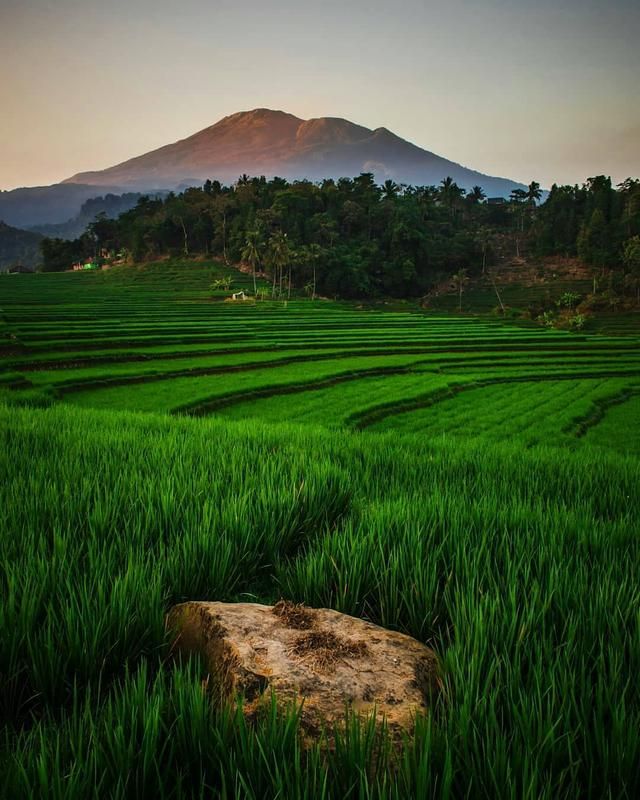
(353, 238)
(18, 247)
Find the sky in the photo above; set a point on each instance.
(525, 89)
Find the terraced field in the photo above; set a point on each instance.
(158, 340)
(467, 480)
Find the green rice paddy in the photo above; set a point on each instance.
(469, 481)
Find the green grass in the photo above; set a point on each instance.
(619, 428)
(464, 480)
(487, 552)
(182, 392)
(533, 412)
(335, 405)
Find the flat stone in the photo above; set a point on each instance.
(329, 662)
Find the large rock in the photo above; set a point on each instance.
(330, 660)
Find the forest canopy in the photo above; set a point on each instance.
(354, 238)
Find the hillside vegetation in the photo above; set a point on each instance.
(355, 239)
(18, 247)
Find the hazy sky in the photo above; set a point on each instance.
(544, 89)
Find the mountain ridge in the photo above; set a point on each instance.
(256, 142)
(272, 142)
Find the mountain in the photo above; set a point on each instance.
(265, 142)
(18, 247)
(111, 204)
(43, 205)
(259, 142)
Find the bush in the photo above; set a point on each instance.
(569, 300)
(577, 322)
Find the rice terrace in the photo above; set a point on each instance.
(462, 478)
(319, 400)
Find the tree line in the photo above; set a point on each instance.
(354, 238)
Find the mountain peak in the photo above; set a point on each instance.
(328, 131)
(257, 114)
(265, 141)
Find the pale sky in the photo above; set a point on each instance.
(526, 89)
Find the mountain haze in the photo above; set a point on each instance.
(265, 142)
(46, 205)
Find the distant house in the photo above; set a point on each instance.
(496, 201)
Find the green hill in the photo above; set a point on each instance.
(18, 247)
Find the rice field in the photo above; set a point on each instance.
(470, 481)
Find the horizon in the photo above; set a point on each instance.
(546, 93)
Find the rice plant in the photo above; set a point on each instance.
(484, 508)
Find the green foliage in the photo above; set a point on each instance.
(577, 322)
(631, 258)
(353, 238)
(593, 221)
(548, 319)
(568, 319)
(348, 237)
(569, 300)
(468, 481)
(631, 254)
(18, 247)
(223, 284)
(594, 240)
(489, 553)
(59, 255)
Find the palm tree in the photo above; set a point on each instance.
(426, 196)
(180, 213)
(280, 256)
(534, 193)
(311, 255)
(295, 257)
(390, 189)
(630, 192)
(450, 194)
(476, 195)
(518, 199)
(251, 254)
(218, 210)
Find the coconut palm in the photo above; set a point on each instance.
(450, 194)
(476, 195)
(279, 256)
(518, 199)
(309, 256)
(534, 193)
(390, 189)
(251, 254)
